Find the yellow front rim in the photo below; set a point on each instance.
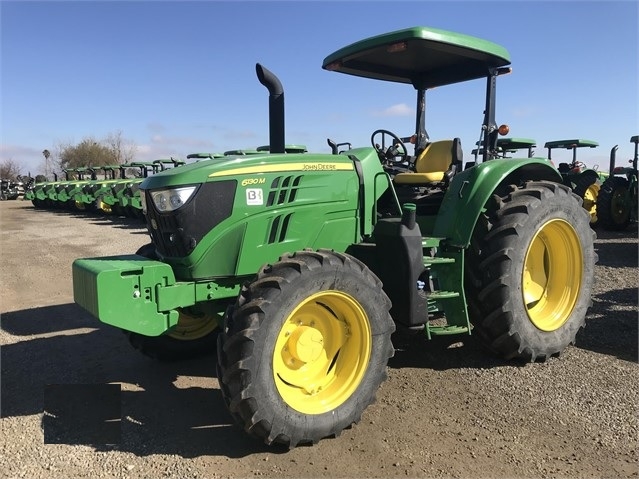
(552, 275)
(105, 207)
(191, 327)
(322, 352)
(590, 201)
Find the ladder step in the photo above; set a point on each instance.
(443, 330)
(430, 260)
(442, 294)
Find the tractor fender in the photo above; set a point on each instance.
(470, 189)
(587, 173)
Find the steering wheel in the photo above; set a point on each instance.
(396, 150)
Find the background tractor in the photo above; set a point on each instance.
(617, 200)
(584, 181)
(505, 147)
(299, 267)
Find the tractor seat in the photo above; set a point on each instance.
(439, 161)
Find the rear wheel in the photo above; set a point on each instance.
(587, 188)
(305, 348)
(530, 271)
(613, 206)
(194, 336)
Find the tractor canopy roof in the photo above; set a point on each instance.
(204, 155)
(287, 148)
(241, 152)
(515, 143)
(424, 57)
(570, 144)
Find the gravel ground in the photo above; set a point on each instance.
(448, 408)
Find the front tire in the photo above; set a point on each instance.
(305, 348)
(613, 208)
(530, 271)
(194, 336)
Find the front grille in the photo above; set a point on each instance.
(177, 233)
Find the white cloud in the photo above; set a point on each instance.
(401, 109)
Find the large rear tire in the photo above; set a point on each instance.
(194, 336)
(530, 271)
(614, 210)
(305, 348)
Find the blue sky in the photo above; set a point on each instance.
(179, 77)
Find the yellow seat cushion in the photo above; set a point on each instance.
(430, 166)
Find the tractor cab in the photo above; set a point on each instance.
(426, 58)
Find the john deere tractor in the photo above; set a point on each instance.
(617, 200)
(584, 181)
(299, 267)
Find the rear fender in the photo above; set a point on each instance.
(470, 189)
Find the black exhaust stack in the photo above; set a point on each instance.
(613, 158)
(275, 108)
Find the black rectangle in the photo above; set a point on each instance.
(87, 414)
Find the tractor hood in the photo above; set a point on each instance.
(233, 167)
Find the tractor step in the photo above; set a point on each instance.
(430, 260)
(444, 330)
(434, 295)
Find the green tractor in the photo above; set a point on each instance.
(52, 195)
(117, 196)
(300, 267)
(89, 197)
(584, 181)
(617, 200)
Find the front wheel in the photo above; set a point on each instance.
(613, 205)
(530, 271)
(305, 348)
(195, 334)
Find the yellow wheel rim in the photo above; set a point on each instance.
(191, 327)
(80, 205)
(322, 352)
(105, 207)
(552, 275)
(590, 201)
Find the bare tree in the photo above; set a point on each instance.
(9, 170)
(123, 152)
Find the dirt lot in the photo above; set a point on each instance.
(448, 409)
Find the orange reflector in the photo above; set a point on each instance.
(504, 129)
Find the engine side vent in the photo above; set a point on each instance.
(279, 228)
(283, 190)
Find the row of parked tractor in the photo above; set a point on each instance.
(609, 196)
(112, 189)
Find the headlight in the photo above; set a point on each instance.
(172, 199)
